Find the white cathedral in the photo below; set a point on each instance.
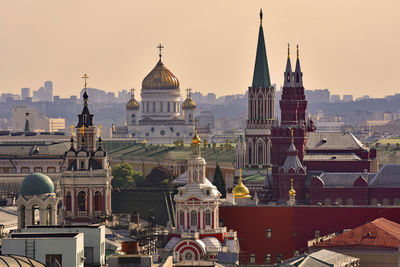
(159, 118)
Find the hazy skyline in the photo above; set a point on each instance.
(349, 47)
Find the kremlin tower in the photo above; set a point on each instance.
(261, 112)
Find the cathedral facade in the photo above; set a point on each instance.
(160, 118)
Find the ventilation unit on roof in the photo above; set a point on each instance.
(324, 140)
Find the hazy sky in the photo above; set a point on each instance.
(350, 47)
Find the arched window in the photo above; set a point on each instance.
(260, 154)
(385, 202)
(396, 202)
(97, 201)
(169, 107)
(190, 117)
(208, 217)
(35, 215)
(154, 106)
(82, 201)
(133, 118)
(147, 106)
(49, 215)
(22, 216)
(349, 201)
(161, 106)
(193, 218)
(338, 201)
(68, 200)
(327, 202)
(181, 218)
(374, 201)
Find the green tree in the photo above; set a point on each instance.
(219, 181)
(158, 175)
(124, 175)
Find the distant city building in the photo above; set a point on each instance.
(335, 98)
(36, 121)
(44, 93)
(318, 95)
(348, 98)
(206, 119)
(5, 97)
(211, 98)
(25, 93)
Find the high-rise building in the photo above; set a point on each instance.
(25, 93)
(348, 98)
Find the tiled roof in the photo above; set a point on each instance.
(380, 233)
(330, 156)
(343, 179)
(332, 141)
(388, 176)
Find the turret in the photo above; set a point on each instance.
(288, 79)
(189, 107)
(132, 109)
(298, 75)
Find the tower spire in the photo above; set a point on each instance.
(261, 76)
(298, 75)
(160, 47)
(288, 71)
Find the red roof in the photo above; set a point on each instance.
(380, 233)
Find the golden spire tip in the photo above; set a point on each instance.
(297, 51)
(288, 50)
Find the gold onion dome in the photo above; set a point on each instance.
(241, 191)
(160, 77)
(196, 139)
(189, 104)
(132, 104)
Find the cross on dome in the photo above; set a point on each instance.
(85, 77)
(160, 47)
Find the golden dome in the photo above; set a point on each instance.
(196, 139)
(292, 192)
(132, 104)
(160, 77)
(189, 104)
(241, 191)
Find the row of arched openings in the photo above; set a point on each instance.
(83, 201)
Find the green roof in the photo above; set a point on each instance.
(256, 178)
(36, 184)
(261, 71)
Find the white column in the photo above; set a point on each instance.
(106, 199)
(28, 217)
(42, 215)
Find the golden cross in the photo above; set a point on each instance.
(291, 133)
(240, 172)
(85, 77)
(291, 183)
(99, 129)
(83, 130)
(72, 129)
(160, 47)
(195, 123)
(297, 51)
(132, 92)
(288, 50)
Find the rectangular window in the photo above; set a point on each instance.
(25, 169)
(38, 169)
(278, 258)
(267, 258)
(252, 258)
(268, 233)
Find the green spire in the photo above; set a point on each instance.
(261, 72)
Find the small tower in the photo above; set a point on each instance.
(240, 191)
(132, 110)
(292, 194)
(189, 108)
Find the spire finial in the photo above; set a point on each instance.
(261, 16)
(85, 77)
(240, 173)
(288, 50)
(72, 129)
(160, 47)
(297, 51)
(132, 92)
(83, 130)
(291, 134)
(99, 129)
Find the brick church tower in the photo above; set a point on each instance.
(261, 110)
(86, 179)
(289, 138)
